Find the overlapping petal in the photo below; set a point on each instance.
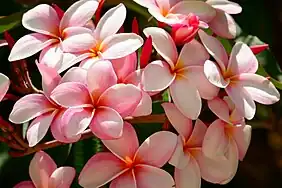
(62, 177)
(214, 75)
(4, 85)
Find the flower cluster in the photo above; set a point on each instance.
(113, 82)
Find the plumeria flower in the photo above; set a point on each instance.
(131, 166)
(50, 32)
(101, 103)
(183, 74)
(44, 173)
(228, 136)
(4, 85)
(125, 69)
(174, 12)
(223, 24)
(189, 161)
(104, 42)
(237, 76)
(41, 107)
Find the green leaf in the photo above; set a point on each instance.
(11, 21)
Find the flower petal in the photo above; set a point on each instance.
(75, 74)
(152, 177)
(62, 177)
(144, 107)
(214, 75)
(52, 56)
(242, 99)
(29, 107)
(181, 123)
(197, 136)
(71, 94)
(146, 3)
(100, 169)
(107, 123)
(125, 180)
(25, 184)
(163, 43)
(40, 168)
(79, 13)
(225, 5)
(111, 22)
(153, 152)
(123, 98)
(220, 108)
(100, 77)
(192, 53)
(128, 138)
(186, 97)
(38, 128)
(120, 45)
(157, 82)
(179, 158)
(242, 136)
(4, 85)
(29, 45)
(215, 48)
(42, 19)
(242, 60)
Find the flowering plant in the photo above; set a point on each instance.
(100, 79)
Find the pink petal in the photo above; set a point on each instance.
(87, 62)
(170, 18)
(4, 85)
(146, 3)
(201, 9)
(153, 152)
(242, 99)
(197, 136)
(157, 82)
(107, 123)
(242, 60)
(125, 180)
(42, 19)
(144, 107)
(128, 138)
(62, 177)
(29, 107)
(225, 5)
(192, 53)
(216, 141)
(25, 184)
(220, 108)
(190, 175)
(214, 75)
(70, 59)
(181, 123)
(100, 169)
(124, 66)
(50, 78)
(135, 78)
(75, 74)
(120, 45)
(100, 77)
(150, 176)
(180, 158)
(52, 56)
(111, 22)
(206, 89)
(29, 45)
(38, 128)
(71, 94)
(40, 168)
(215, 48)
(79, 13)
(76, 120)
(242, 136)
(123, 98)
(163, 43)
(3, 43)
(224, 25)
(186, 97)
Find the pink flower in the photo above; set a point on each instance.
(126, 72)
(174, 11)
(41, 107)
(4, 85)
(183, 74)
(100, 103)
(189, 161)
(44, 173)
(131, 166)
(223, 24)
(104, 42)
(51, 30)
(237, 76)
